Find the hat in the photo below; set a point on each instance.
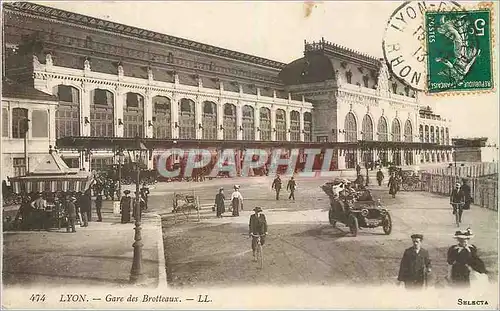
(221, 188)
(417, 236)
(126, 191)
(457, 184)
(257, 209)
(236, 186)
(464, 234)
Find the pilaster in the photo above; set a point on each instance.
(119, 103)
(239, 121)
(148, 114)
(220, 119)
(302, 138)
(198, 118)
(273, 123)
(85, 110)
(257, 120)
(287, 124)
(174, 115)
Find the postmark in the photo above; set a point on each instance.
(459, 48)
(402, 45)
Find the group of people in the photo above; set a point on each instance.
(40, 211)
(128, 204)
(463, 261)
(460, 198)
(290, 186)
(236, 202)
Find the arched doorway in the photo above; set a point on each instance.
(248, 123)
(102, 114)
(280, 125)
(209, 120)
(133, 115)
(294, 125)
(187, 119)
(162, 117)
(230, 122)
(265, 124)
(351, 135)
(67, 111)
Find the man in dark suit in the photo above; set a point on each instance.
(465, 188)
(257, 226)
(291, 186)
(71, 213)
(415, 264)
(277, 186)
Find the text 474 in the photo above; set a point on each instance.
(37, 297)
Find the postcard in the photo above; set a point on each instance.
(250, 155)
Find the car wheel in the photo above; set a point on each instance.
(387, 225)
(353, 225)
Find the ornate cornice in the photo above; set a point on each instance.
(99, 24)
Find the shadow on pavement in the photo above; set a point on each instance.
(12, 278)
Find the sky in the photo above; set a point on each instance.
(277, 30)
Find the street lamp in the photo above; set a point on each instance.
(121, 160)
(136, 154)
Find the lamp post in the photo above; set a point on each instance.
(121, 161)
(136, 154)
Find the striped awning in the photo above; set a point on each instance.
(36, 184)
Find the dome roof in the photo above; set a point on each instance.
(314, 67)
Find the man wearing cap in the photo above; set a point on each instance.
(71, 212)
(277, 186)
(462, 258)
(257, 226)
(415, 264)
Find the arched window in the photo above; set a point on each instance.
(187, 120)
(396, 130)
(19, 119)
(421, 132)
(367, 128)
(294, 125)
(408, 132)
(265, 124)
(230, 122)
(209, 120)
(133, 115)
(68, 111)
(426, 135)
(162, 117)
(447, 136)
(432, 134)
(280, 125)
(437, 137)
(350, 125)
(248, 123)
(102, 113)
(442, 136)
(307, 126)
(382, 129)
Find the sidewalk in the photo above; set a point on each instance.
(98, 255)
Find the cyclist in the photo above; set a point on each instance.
(257, 226)
(457, 199)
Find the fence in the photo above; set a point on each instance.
(483, 180)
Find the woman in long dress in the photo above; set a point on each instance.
(219, 203)
(463, 260)
(236, 201)
(125, 206)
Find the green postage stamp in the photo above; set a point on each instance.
(459, 50)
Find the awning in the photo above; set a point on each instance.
(28, 184)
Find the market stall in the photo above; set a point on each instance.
(51, 180)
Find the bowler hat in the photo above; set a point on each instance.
(257, 209)
(417, 236)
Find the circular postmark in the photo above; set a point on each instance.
(403, 45)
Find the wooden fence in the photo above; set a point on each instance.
(483, 180)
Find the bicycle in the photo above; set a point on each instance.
(458, 209)
(259, 253)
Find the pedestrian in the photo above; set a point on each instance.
(277, 186)
(145, 194)
(393, 185)
(219, 203)
(25, 211)
(463, 260)
(465, 188)
(380, 177)
(137, 200)
(358, 169)
(291, 186)
(236, 201)
(39, 205)
(457, 201)
(415, 264)
(125, 206)
(84, 208)
(71, 213)
(98, 205)
(257, 226)
(88, 201)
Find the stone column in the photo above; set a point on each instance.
(85, 109)
(220, 119)
(273, 124)
(119, 103)
(302, 138)
(239, 121)
(257, 121)
(198, 118)
(287, 123)
(174, 116)
(148, 114)
(341, 159)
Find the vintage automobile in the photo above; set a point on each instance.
(357, 210)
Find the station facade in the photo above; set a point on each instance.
(113, 80)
